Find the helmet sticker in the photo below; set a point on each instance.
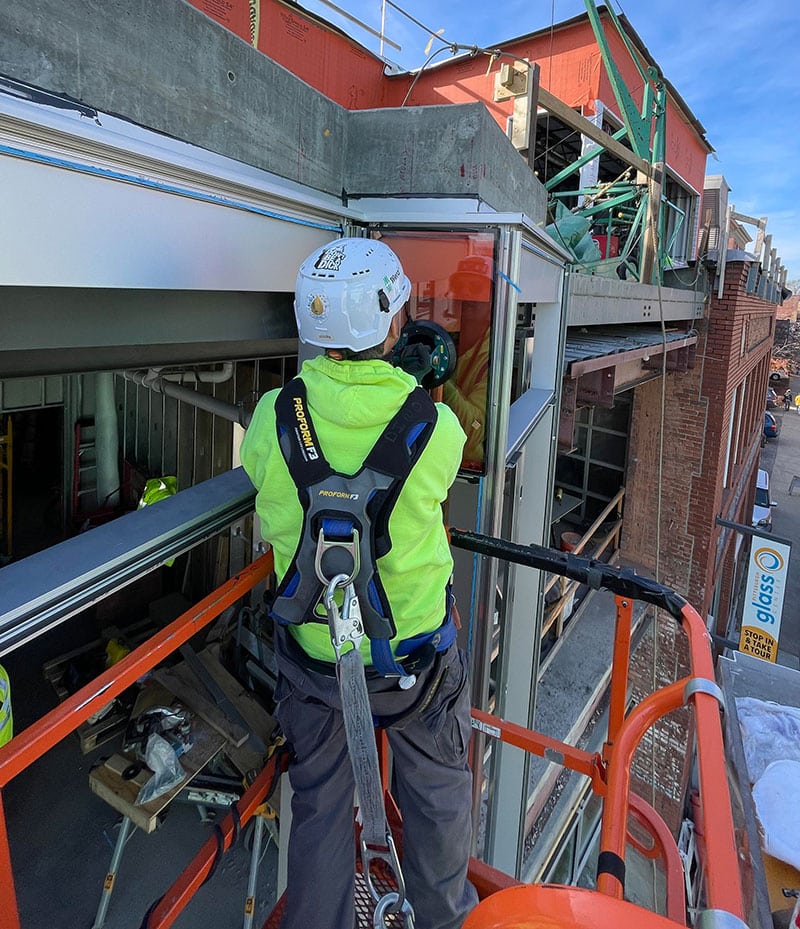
(389, 280)
(331, 259)
(317, 306)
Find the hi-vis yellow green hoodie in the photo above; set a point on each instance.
(350, 404)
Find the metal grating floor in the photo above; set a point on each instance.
(365, 905)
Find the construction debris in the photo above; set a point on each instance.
(786, 356)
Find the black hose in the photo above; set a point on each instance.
(596, 574)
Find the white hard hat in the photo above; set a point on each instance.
(347, 293)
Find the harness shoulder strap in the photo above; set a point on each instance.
(297, 436)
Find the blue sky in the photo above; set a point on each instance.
(732, 62)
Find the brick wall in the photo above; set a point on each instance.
(700, 480)
(700, 476)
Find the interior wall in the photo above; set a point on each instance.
(162, 436)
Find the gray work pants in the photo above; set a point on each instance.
(432, 786)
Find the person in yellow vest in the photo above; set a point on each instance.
(6, 719)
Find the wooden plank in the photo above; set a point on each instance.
(152, 694)
(257, 718)
(244, 758)
(575, 121)
(91, 735)
(182, 682)
(106, 780)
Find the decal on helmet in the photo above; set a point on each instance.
(390, 280)
(318, 306)
(331, 259)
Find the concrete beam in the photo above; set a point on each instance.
(52, 330)
(169, 67)
(598, 300)
(458, 150)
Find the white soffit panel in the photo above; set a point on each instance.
(66, 229)
(115, 205)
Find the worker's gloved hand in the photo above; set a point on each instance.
(416, 360)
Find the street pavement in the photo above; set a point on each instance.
(781, 458)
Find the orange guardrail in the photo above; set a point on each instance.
(33, 742)
(610, 772)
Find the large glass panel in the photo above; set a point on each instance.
(604, 482)
(452, 284)
(616, 418)
(609, 448)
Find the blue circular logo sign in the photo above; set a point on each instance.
(768, 560)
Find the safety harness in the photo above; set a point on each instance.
(346, 521)
(345, 530)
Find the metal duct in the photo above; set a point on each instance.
(106, 440)
(153, 381)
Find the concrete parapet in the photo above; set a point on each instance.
(170, 68)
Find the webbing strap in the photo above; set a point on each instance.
(441, 639)
(376, 837)
(363, 751)
(383, 659)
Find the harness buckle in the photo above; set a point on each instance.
(347, 625)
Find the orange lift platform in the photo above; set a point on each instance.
(504, 902)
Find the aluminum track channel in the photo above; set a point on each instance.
(47, 588)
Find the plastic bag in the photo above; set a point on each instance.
(162, 760)
(777, 798)
(770, 732)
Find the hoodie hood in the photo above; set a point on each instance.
(356, 394)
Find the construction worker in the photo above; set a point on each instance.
(348, 299)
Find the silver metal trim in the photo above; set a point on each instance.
(702, 685)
